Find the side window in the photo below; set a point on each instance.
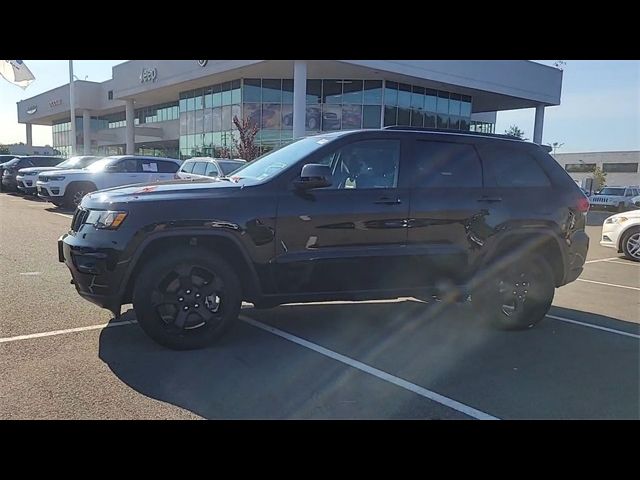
(129, 165)
(187, 167)
(446, 165)
(365, 164)
(199, 168)
(167, 167)
(148, 166)
(211, 170)
(514, 167)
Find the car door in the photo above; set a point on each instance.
(198, 169)
(126, 172)
(349, 236)
(447, 225)
(212, 170)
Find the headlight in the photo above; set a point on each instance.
(105, 219)
(616, 220)
(55, 179)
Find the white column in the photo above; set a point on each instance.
(29, 136)
(537, 127)
(299, 98)
(72, 103)
(86, 131)
(131, 134)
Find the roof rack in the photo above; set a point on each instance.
(448, 130)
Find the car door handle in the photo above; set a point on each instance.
(388, 201)
(488, 199)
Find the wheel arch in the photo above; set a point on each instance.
(539, 241)
(222, 243)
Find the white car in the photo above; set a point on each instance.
(27, 177)
(203, 167)
(67, 187)
(614, 198)
(622, 232)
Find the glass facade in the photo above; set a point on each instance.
(482, 127)
(331, 104)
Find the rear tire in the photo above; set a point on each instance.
(516, 296)
(631, 244)
(187, 299)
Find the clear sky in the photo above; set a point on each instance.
(599, 111)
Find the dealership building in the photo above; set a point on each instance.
(185, 108)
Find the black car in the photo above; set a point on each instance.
(10, 168)
(341, 216)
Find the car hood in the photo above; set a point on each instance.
(169, 190)
(33, 170)
(71, 171)
(635, 214)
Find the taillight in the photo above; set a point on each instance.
(583, 204)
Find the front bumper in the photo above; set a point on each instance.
(97, 272)
(26, 184)
(50, 189)
(610, 235)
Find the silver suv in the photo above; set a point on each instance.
(619, 199)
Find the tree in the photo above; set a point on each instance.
(599, 178)
(555, 146)
(514, 131)
(560, 64)
(246, 147)
(4, 149)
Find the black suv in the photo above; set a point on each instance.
(354, 215)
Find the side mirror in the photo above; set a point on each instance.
(314, 176)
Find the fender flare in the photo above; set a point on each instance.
(192, 232)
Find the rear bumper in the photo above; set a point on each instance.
(578, 246)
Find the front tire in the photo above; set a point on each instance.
(516, 296)
(74, 194)
(187, 299)
(631, 244)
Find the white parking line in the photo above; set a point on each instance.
(63, 214)
(609, 284)
(631, 264)
(412, 387)
(597, 327)
(69, 330)
(601, 260)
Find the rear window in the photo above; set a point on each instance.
(514, 167)
(446, 165)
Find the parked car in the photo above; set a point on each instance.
(27, 177)
(636, 201)
(356, 215)
(207, 167)
(330, 120)
(67, 187)
(614, 198)
(622, 232)
(10, 169)
(4, 159)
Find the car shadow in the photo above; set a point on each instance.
(55, 209)
(254, 374)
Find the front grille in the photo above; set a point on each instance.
(78, 219)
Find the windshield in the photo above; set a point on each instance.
(611, 191)
(271, 164)
(77, 162)
(100, 164)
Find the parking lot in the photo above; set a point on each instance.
(62, 357)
